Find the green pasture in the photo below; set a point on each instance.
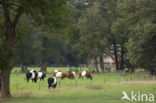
(104, 88)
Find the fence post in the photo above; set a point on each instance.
(75, 83)
(126, 80)
(153, 77)
(39, 86)
(17, 87)
(105, 80)
(59, 84)
(119, 80)
(142, 78)
(131, 79)
(91, 83)
(16, 72)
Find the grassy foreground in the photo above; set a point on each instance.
(105, 88)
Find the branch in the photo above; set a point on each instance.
(20, 11)
(0, 2)
(6, 14)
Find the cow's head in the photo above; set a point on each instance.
(28, 75)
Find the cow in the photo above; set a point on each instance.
(85, 73)
(41, 75)
(32, 75)
(52, 82)
(71, 74)
(61, 75)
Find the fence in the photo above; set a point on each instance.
(105, 82)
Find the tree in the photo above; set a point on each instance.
(121, 32)
(109, 13)
(94, 34)
(140, 15)
(53, 13)
(28, 48)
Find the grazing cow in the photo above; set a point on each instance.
(85, 73)
(60, 75)
(52, 82)
(41, 76)
(33, 75)
(71, 74)
(55, 71)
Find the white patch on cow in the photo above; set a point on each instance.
(73, 73)
(83, 73)
(58, 74)
(55, 80)
(31, 71)
(33, 75)
(40, 74)
(55, 70)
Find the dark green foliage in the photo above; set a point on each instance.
(139, 15)
(52, 15)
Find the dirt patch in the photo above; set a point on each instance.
(94, 87)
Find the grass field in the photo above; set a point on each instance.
(105, 88)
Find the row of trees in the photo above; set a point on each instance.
(37, 49)
(123, 29)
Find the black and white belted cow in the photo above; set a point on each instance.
(32, 74)
(41, 75)
(52, 82)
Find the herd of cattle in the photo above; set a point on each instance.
(52, 81)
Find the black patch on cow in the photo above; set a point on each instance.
(36, 74)
(28, 76)
(43, 76)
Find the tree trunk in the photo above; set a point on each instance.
(23, 68)
(152, 72)
(76, 69)
(101, 63)
(5, 85)
(122, 59)
(116, 56)
(44, 54)
(9, 42)
(96, 64)
(43, 66)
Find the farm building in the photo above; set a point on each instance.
(109, 62)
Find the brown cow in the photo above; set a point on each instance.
(55, 71)
(71, 74)
(60, 75)
(85, 73)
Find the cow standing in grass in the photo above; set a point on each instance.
(52, 82)
(61, 75)
(86, 74)
(32, 75)
(55, 71)
(41, 75)
(71, 74)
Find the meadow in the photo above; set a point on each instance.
(104, 88)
